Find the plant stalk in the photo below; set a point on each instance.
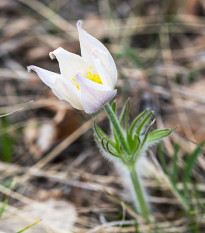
(139, 195)
(137, 187)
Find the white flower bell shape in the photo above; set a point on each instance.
(86, 82)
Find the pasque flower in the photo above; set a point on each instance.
(87, 82)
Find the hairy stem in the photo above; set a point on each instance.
(139, 195)
(136, 185)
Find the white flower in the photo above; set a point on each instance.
(86, 82)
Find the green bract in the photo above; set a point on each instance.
(128, 141)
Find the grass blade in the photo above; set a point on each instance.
(162, 159)
(191, 162)
(26, 228)
(6, 141)
(189, 167)
(3, 206)
(174, 173)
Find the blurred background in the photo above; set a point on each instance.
(50, 166)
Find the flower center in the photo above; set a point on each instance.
(92, 76)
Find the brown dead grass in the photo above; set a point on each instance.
(55, 164)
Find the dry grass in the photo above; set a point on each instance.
(54, 166)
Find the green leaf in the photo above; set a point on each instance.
(147, 132)
(158, 134)
(116, 125)
(97, 140)
(116, 140)
(115, 136)
(136, 120)
(143, 123)
(124, 110)
(127, 116)
(108, 147)
(101, 134)
(116, 143)
(134, 144)
(141, 120)
(114, 106)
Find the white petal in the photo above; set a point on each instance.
(88, 43)
(97, 86)
(62, 88)
(93, 95)
(100, 59)
(69, 63)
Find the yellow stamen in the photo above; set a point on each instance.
(92, 76)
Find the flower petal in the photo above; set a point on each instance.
(63, 89)
(88, 43)
(69, 63)
(93, 95)
(100, 59)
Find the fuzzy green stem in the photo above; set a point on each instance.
(142, 205)
(112, 117)
(138, 190)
